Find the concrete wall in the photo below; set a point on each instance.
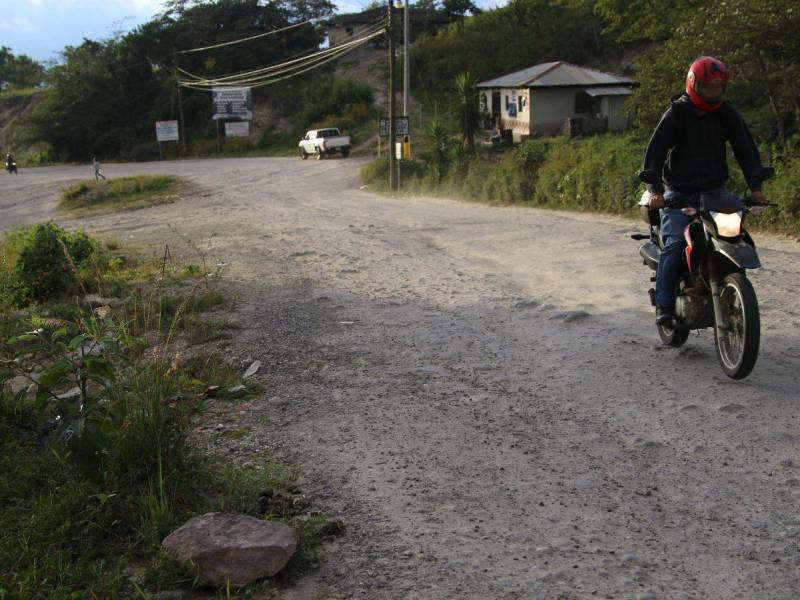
(517, 121)
(613, 108)
(546, 111)
(550, 108)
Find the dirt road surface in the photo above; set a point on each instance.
(480, 393)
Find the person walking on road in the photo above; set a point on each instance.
(97, 172)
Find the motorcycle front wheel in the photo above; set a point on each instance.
(737, 343)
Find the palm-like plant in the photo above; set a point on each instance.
(468, 107)
(438, 135)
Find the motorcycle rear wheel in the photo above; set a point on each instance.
(737, 345)
(674, 338)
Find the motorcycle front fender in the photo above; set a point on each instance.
(741, 254)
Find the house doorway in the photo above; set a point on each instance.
(496, 107)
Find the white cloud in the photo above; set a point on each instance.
(17, 24)
(141, 8)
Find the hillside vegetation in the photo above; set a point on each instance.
(654, 42)
(103, 97)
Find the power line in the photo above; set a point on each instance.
(270, 81)
(376, 26)
(269, 75)
(247, 39)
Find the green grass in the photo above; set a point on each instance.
(84, 518)
(121, 193)
(593, 174)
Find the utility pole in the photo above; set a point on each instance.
(182, 128)
(406, 60)
(392, 107)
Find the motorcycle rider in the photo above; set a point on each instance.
(686, 155)
(9, 161)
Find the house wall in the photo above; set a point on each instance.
(550, 108)
(613, 108)
(514, 110)
(546, 111)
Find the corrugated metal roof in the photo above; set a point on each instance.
(608, 91)
(555, 74)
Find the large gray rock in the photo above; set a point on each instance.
(234, 548)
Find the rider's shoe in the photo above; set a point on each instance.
(665, 316)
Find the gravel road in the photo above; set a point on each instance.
(480, 393)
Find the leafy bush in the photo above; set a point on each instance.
(42, 268)
(333, 97)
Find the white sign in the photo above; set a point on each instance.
(232, 103)
(167, 131)
(237, 129)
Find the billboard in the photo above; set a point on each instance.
(237, 129)
(167, 131)
(232, 103)
(401, 126)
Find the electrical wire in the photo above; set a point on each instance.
(376, 26)
(273, 79)
(247, 39)
(319, 59)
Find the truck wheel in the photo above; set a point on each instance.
(345, 152)
(303, 153)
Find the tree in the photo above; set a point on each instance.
(459, 8)
(760, 45)
(469, 116)
(19, 71)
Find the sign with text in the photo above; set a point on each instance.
(401, 126)
(167, 131)
(232, 103)
(237, 129)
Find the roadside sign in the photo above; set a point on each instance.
(401, 126)
(237, 129)
(167, 131)
(232, 103)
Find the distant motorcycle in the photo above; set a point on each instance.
(713, 290)
(11, 166)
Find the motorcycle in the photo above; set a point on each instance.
(11, 167)
(713, 289)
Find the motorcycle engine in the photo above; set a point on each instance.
(693, 310)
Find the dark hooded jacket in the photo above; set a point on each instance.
(687, 148)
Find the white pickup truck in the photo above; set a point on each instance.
(324, 141)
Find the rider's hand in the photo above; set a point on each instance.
(760, 197)
(656, 201)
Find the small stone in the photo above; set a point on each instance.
(252, 369)
(236, 390)
(332, 527)
(787, 462)
(70, 394)
(526, 304)
(103, 311)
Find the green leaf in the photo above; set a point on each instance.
(98, 369)
(76, 342)
(53, 375)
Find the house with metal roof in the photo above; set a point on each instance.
(555, 97)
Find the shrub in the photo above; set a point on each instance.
(42, 269)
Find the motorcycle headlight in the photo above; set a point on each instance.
(728, 224)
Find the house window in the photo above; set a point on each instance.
(583, 103)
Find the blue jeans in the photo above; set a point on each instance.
(673, 222)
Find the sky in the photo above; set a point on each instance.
(41, 28)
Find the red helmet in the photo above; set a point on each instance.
(706, 81)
